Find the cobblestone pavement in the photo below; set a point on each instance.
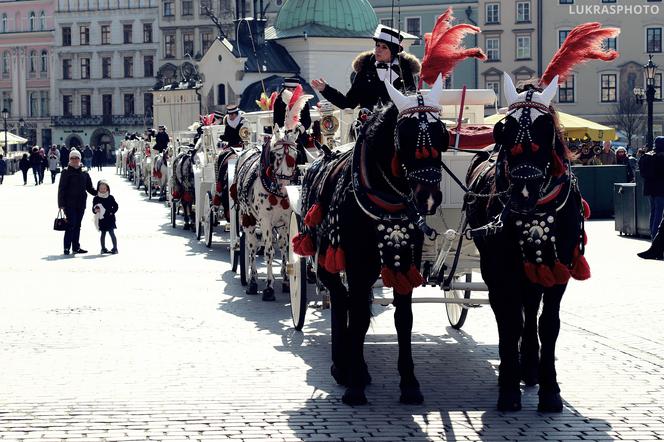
(160, 342)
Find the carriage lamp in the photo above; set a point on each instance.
(5, 115)
(650, 70)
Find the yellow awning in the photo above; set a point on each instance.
(574, 127)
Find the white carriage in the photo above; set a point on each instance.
(449, 261)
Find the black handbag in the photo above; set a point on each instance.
(60, 223)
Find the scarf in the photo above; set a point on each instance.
(103, 195)
(234, 124)
(393, 70)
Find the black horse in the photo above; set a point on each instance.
(527, 216)
(364, 214)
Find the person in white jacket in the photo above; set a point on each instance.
(53, 158)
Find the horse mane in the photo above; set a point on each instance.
(380, 127)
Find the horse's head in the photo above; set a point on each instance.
(420, 137)
(281, 154)
(530, 154)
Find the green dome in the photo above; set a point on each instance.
(326, 18)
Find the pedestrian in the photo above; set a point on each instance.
(607, 156)
(53, 161)
(72, 197)
(24, 165)
(87, 157)
(651, 166)
(387, 60)
(105, 207)
(656, 250)
(64, 156)
(622, 158)
(43, 165)
(3, 168)
(162, 139)
(279, 117)
(99, 157)
(35, 163)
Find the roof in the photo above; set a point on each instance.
(324, 18)
(270, 57)
(272, 83)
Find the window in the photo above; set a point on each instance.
(33, 62)
(566, 2)
(33, 21)
(413, 26)
(653, 40)
(147, 103)
(387, 22)
(148, 66)
(105, 34)
(566, 91)
(608, 88)
(188, 43)
(106, 67)
(33, 104)
(562, 35)
(42, 21)
(66, 36)
(43, 66)
(5, 63)
(492, 13)
(107, 104)
(3, 24)
(129, 104)
(658, 86)
(66, 105)
(221, 94)
(523, 12)
(128, 67)
(493, 49)
(522, 47)
(147, 32)
(7, 101)
(169, 46)
(187, 7)
(85, 35)
(126, 33)
(85, 106)
(66, 69)
(168, 8)
(85, 68)
(44, 103)
(610, 43)
(207, 37)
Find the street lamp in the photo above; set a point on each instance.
(5, 115)
(650, 70)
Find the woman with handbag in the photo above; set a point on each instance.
(72, 197)
(53, 160)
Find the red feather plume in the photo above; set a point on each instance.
(297, 93)
(273, 98)
(584, 43)
(443, 47)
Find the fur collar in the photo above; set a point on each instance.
(409, 62)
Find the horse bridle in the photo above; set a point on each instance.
(284, 146)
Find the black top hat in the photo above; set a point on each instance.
(291, 82)
(232, 109)
(388, 35)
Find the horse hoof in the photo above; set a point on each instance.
(268, 294)
(186, 226)
(338, 375)
(509, 400)
(411, 396)
(285, 288)
(529, 375)
(252, 289)
(550, 402)
(354, 396)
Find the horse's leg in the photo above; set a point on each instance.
(529, 348)
(507, 307)
(339, 324)
(403, 321)
(283, 248)
(251, 248)
(549, 327)
(268, 292)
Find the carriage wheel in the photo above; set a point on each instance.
(235, 254)
(149, 187)
(456, 312)
(174, 212)
(208, 221)
(297, 274)
(244, 259)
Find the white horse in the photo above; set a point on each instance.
(160, 173)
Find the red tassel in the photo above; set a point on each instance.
(581, 269)
(517, 149)
(534, 147)
(272, 200)
(560, 273)
(557, 166)
(329, 260)
(402, 286)
(340, 259)
(425, 153)
(545, 276)
(414, 277)
(531, 272)
(434, 153)
(284, 203)
(187, 197)
(396, 167)
(233, 191)
(218, 187)
(175, 194)
(268, 172)
(314, 215)
(585, 238)
(290, 161)
(303, 245)
(388, 276)
(216, 201)
(586, 208)
(418, 154)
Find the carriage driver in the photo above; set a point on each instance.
(233, 122)
(162, 139)
(279, 117)
(371, 68)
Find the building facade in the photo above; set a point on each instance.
(26, 67)
(104, 69)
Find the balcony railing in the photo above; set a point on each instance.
(102, 120)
